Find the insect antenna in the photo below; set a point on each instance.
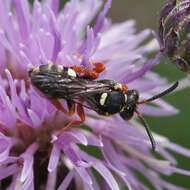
(148, 131)
(167, 91)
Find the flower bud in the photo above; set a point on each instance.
(174, 32)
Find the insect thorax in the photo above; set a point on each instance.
(107, 103)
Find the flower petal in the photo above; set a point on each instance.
(67, 180)
(54, 158)
(27, 169)
(5, 147)
(8, 171)
(101, 168)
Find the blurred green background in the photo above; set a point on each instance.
(176, 128)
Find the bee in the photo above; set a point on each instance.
(106, 97)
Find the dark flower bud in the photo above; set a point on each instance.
(174, 32)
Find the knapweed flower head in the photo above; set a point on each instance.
(174, 32)
(34, 154)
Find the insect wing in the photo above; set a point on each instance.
(60, 85)
(80, 88)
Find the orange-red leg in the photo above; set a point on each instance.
(88, 72)
(80, 112)
(71, 107)
(99, 67)
(59, 106)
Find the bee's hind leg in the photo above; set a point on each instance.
(81, 114)
(71, 107)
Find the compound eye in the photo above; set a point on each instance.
(136, 94)
(132, 97)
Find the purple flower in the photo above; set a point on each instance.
(33, 154)
(174, 32)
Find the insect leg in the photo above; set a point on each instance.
(87, 72)
(99, 67)
(80, 112)
(90, 73)
(71, 107)
(59, 106)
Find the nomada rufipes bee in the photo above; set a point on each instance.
(77, 85)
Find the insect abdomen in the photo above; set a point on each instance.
(52, 79)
